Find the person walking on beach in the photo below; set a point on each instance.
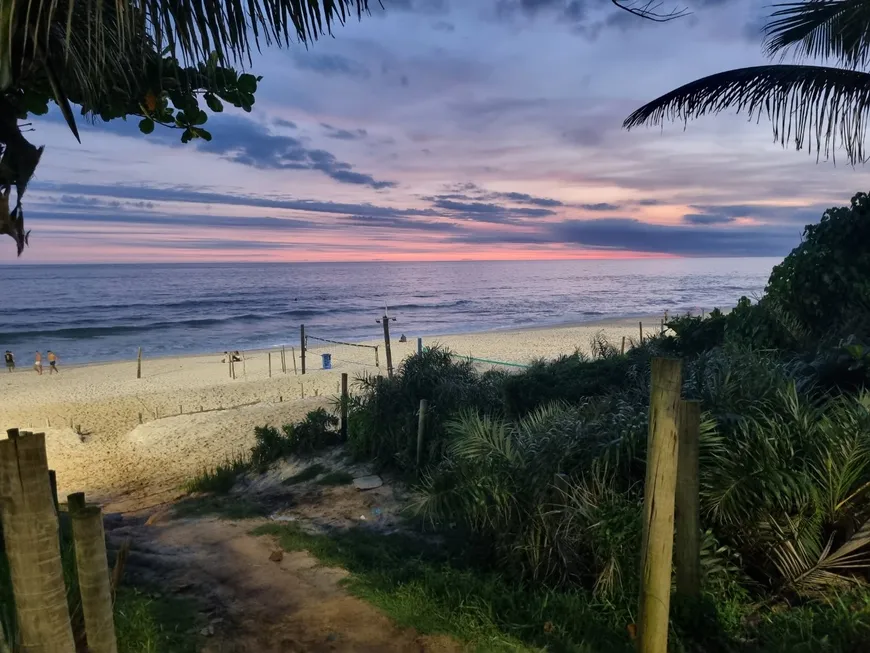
(52, 363)
(10, 361)
(37, 363)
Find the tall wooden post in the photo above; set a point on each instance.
(270, 364)
(139, 364)
(344, 400)
(293, 351)
(32, 546)
(622, 349)
(657, 546)
(640, 328)
(302, 346)
(283, 360)
(386, 322)
(419, 346)
(687, 548)
(421, 431)
(92, 567)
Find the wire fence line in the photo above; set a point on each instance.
(345, 353)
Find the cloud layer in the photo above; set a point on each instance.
(438, 129)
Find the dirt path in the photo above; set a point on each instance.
(252, 604)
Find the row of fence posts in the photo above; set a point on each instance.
(31, 532)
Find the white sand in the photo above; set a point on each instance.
(118, 457)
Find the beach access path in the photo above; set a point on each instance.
(132, 442)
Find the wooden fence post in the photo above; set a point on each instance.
(92, 567)
(293, 351)
(640, 328)
(270, 364)
(657, 545)
(32, 545)
(419, 346)
(687, 548)
(139, 364)
(344, 401)
(421, 431)
(302, 346)
(283, 360)
(622, 349)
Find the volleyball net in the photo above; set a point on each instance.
(342, 352)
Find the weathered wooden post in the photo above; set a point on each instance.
(293, 352)
(687, 548)
(640, 328)
(32, 546)
(344, 402)
(270, 364)
(283, 360)
(386, 323)
(419, 346)
(622, 349)
(302, 346)
(421, 431)
(92, 566)
(139, 364)
(657, 545)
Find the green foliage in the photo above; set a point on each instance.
(382, 421)
(568, 378)
(220, 479)
(825, 281)
(435, 590)
(316, 432)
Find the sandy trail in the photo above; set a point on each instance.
(194, 415)
(256, 605)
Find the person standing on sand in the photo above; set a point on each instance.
(37, 363)
(52, 363)
(10, 361)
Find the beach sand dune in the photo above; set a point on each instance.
(194, 415)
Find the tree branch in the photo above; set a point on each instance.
(651, 10)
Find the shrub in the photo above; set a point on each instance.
(220, 479)
(825, 281)
(315, 432)
(382, 422)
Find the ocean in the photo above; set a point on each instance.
(88, 313)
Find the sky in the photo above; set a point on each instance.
(447, 130)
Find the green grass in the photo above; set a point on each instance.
(219, 479)
(148, 624)
(309, 473)
(336, 478)
(419, 586)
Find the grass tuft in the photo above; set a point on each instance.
(219, 479)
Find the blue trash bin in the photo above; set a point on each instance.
(327, 361)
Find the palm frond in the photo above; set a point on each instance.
(810, 106)
(837, 30)
(190, 29)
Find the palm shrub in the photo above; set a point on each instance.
(554, 493)
(787, 487)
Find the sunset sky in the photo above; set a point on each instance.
(447, 129)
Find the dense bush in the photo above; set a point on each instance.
(382, 421)
(317, 431)
(824, 283)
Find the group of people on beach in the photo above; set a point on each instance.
(37, 362)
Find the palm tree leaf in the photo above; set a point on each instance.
(830, 29)
(191, 29)
(810, 106)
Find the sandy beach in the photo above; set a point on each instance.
(194, 415)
